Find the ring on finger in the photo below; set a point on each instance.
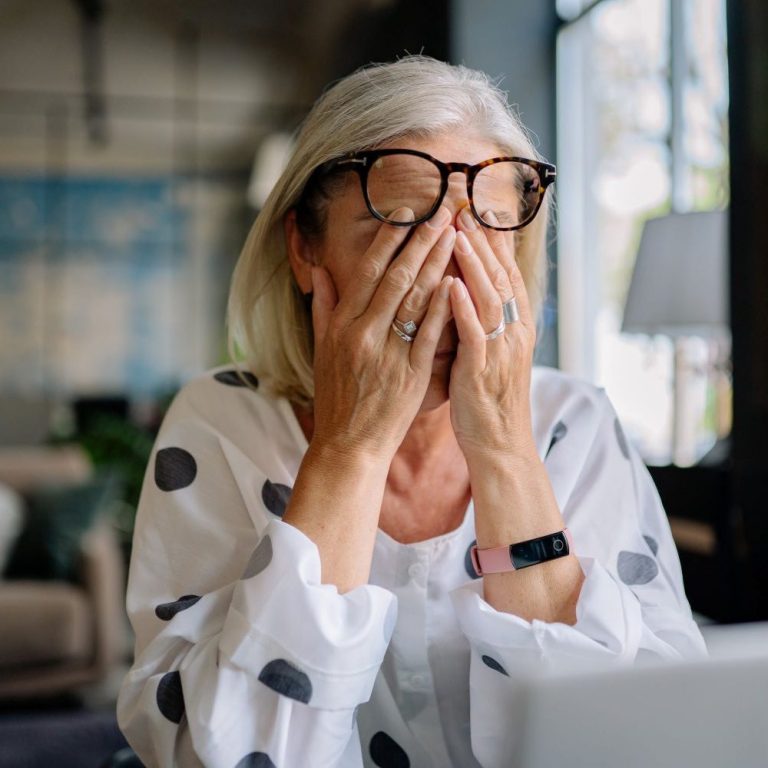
(409, 327)
(510, 311)
(495, 332)
(402, 334)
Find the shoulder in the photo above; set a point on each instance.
(231, 406)
(562, 403)
(221, 393)
(554, 388)
(220, 390)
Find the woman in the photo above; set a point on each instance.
(304, 584)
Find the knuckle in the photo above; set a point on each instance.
(415, 301)
(370, 271)
(400, 276)
(499, 279)
(424, 235)
(360, 343)
(367, 344)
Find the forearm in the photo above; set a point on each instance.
(514, 501)
(336, 501)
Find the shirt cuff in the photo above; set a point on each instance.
(607, 630)
(301, 637)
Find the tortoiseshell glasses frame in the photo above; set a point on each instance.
(361, 163)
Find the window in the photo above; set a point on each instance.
(642, 131)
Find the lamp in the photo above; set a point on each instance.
(679, 288)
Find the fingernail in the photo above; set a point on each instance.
(461, 288)
(490, 217)
(402, 214)
(462, 244)
(445, 288)
(440, 219)
(468, 220)
(447, 238)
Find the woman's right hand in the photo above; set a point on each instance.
(370, 383)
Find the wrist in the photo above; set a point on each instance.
(335, 457)
(498, 456)
(514, 500)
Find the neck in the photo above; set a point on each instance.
(424, 448)
(429, 440)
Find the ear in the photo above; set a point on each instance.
(300, 255)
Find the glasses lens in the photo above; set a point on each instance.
(509, 189)
(398, 180)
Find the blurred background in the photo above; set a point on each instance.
(137, 143)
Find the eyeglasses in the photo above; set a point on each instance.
(510, 188)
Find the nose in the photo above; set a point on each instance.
(456, 199)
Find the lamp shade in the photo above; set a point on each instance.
(679, 285)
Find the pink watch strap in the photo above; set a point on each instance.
(497, 559)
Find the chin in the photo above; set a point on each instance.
(436, 396)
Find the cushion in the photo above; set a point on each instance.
(11, 516)
(44, 623)
(57, 516)
(25, 468)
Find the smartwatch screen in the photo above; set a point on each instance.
(538, 550)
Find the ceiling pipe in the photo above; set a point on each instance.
(94, 103)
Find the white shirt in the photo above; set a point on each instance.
(244, 659)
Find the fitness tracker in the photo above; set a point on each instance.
(513, 557)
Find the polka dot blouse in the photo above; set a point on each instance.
(245, 660)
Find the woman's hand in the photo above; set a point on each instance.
(490, 380)
(369, 383)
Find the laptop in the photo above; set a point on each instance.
(708, 713)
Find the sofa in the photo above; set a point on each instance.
(60, 633)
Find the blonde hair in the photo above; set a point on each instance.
(269, 322)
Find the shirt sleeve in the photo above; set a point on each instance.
(632, 603)
(242, 656)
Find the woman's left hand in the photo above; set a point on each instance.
(490, 379)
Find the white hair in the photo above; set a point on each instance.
(269, 321)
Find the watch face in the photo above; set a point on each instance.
(539, 550)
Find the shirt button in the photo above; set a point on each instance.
(416, 571)
(418, 681)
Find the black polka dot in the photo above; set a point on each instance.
(620, 437)
(652, 544)
(233, 379)
(489, 661)
(170, 697)
(260, 559)
(275, 497)
(166, 611)
(256, 760)
(635, 568)
(468, 567)
(283, 677)
(558, 433)
(387, 753)
(175, 468)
